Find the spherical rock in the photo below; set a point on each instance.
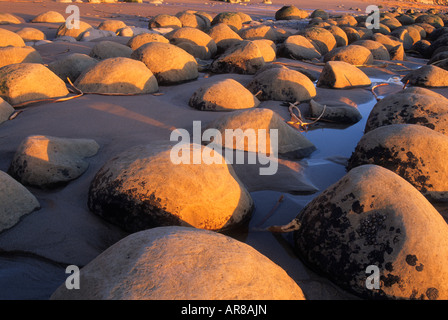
(178, 263)
(72, 66)
(225, 95)
(169, 63)
(194, 41)
(224, 36)
(9, 38)
(110, 49)
(46, 162)
(12, 55)
(413, 105)
(427, 76)
(352, 54)
(299, 48)
(24, 82)
(49, 17)
(137, 41)
(290, 13)
(282, 84)
(243, 58)
(165, 21)
(16, 201)
(342, 75)
(290, 142)
(405, 150)
(118, 75)
(152, 185)
(373, 217)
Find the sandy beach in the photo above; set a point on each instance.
(35, 252)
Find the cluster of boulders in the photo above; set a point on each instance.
(378, 214)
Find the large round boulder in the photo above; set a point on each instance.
(323, 39)
(110, 49)
(342, 75)
(300, 48)
(72, 66)
(225, 95)
(47, 162)
(164, 21)
(232, 19)
(118, 75)
(290, 13)
(24, 82)
(224, 36)
(408, 150)
(427, 76)
(11, 55)
(413, 105)
(143, 38)
(9, 38)
(372, 218)
(73, 32)
(243, 58)
(353, 54)
(153, 185)
(16, 201)
(178, 263)
(49, 17)
(111, 25)
(31, 34)
(169, 63)
(8, 18)
(378, 50)
(282, 84)
(247, 125)
(259, 32)
(194, 41)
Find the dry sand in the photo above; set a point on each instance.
(35, 252)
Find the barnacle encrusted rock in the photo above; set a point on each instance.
(373, 217)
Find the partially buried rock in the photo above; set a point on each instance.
(323, 39)
(225, 95)
(111, 25)
(282, 84)
(243, 58)
(427, 76)
(73, 32)
(15, 201)
(373, 217)
(110, 49)
(9, 38)
(72, 66)
(224, 36)
(290, 142)
(24, 82)
(165, 21)
(413, 105)
(49, 17)
(93, 34)
(378, 50)
(300, 48)
(232, 19)
(178, 263)
(47, 162)
(194, 41)
(342, 75)
(345, 114)
(353, 54)
(162, 185)
(6, 110)
(137, 41)
(8, 18)
(339, 35)
(259, 32)
(12, 55)
(267, 48)
(169, 63)
(414, 152)
(31, 34)
(118, 75)
(290, 13)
